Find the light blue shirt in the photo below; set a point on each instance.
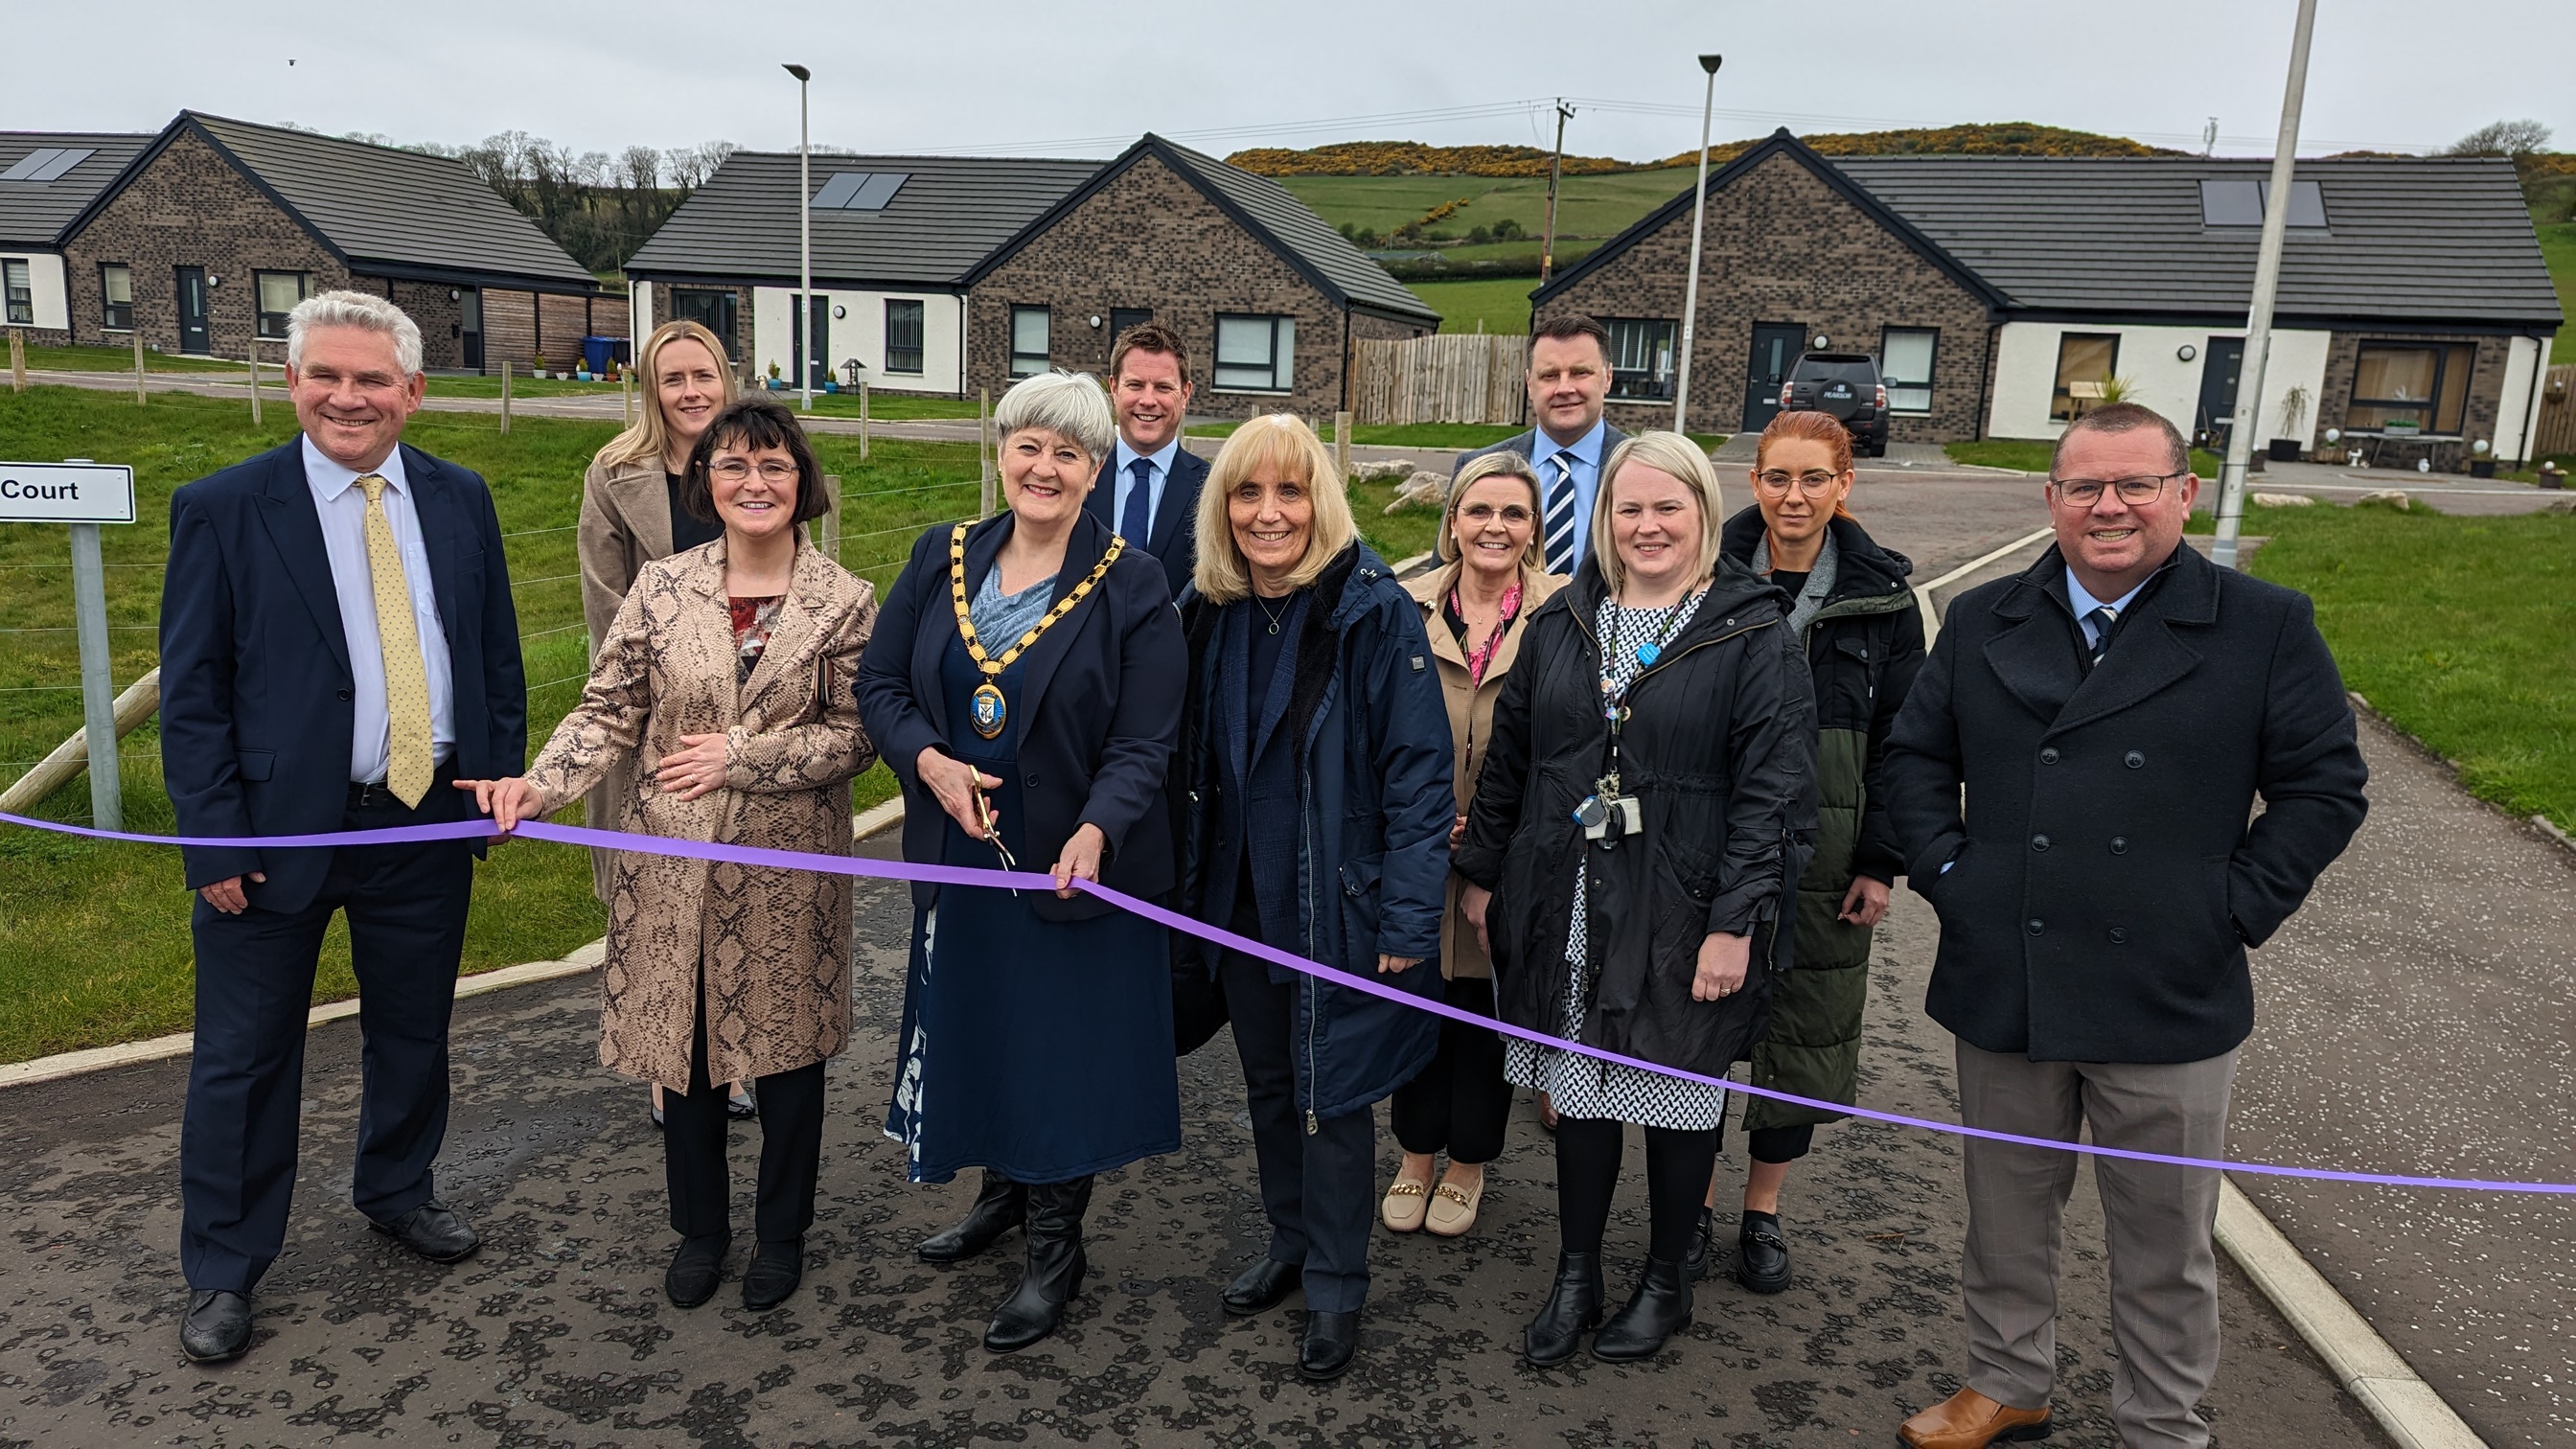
(1583, 457)
(1122, 481)
(343, 510)
(2081, 600)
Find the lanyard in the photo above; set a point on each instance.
(1614, 695)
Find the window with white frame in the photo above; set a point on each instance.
(1029, 338)
(1905, 365)
(116, 288)
(278, 292)
(1641, 357)
(20, 289)
(1255, 354)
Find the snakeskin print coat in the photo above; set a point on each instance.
(773, 945)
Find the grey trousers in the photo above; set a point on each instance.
(2159, 1220)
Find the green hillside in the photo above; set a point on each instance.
(2558, 247)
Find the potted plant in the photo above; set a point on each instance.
(539, 369)
(774, 383)
(2481, 459)
(2294, 415)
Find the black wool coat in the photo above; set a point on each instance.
(2104, 879)
(1719, 745)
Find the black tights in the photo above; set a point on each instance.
(1678, 1165)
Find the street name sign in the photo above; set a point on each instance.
(66, 493)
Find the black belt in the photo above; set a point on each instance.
(375, 793)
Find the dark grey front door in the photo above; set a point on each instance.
(1122, 318)
(2220, 368)
(195, 332)
(1775, 348)
(818, 358)
(469, 315)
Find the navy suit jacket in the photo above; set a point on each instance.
(1175, 539)
(1099, 709)
(257, 702)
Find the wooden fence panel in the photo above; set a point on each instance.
(1443, 378)
(2557, 433)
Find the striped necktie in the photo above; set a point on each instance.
(2101, 619)
(409, 764)
(1560, 516)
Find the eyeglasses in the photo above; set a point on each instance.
(1776, 482)
(2135, 492)
(736, 470)
(1480, 514)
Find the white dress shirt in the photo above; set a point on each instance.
(2081, 600)
(1122, 480)
(343, 509)
(1583, 462)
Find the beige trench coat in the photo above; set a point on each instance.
(625, 524)
(1471, 723)
(774, 944)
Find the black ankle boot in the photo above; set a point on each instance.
(1572, 1306)
(1703, 1236)
(1056, 1266)
(1660, 1308)
(1000, 1206)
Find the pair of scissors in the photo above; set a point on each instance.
(993, 834)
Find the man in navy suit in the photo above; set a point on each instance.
(1149, 488)
(1569, 383)
(292, 703)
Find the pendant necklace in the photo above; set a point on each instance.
(1264, 606)
(989, 711)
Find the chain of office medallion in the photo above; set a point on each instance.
(966, 626)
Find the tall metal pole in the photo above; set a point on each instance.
(804, 327)
(1699, 214)
(98, 688)
(2267, 285)
(1555, 164)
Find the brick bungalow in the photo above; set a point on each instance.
(948, 275)
(47, 178)
(216, 228)
(2414, 314)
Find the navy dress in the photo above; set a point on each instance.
(1039, 1049)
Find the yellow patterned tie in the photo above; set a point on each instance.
(410, 765)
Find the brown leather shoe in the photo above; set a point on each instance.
(1970, 1420)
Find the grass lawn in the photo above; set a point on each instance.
(2460, 630)
(2558, 249)
(121, 359)
(1587, 206)
(1500, 303)
(2031, 456)
(94, 938)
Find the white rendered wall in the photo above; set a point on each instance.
(53, 308)
(2513, 406)
(860, 333)
(2149, 357)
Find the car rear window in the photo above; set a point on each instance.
(1849, 369)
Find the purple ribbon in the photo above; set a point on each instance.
(1039, 880)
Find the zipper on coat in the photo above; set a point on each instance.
(1314, 989)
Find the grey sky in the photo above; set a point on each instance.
(1073, 79)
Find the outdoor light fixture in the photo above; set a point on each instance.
(2186, 352)
(1095, 321)
(1823, 342)
(2479, 447)
(2334, 435)
(839, 312)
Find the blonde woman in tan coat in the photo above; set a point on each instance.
(1495, 576)
(724, 680)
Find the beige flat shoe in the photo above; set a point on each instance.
(1405, 1204)
(1453, 1209)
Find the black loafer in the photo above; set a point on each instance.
(1703, 1240)
(1262, 1287)
(217, 1326)
(432, 1230)
(776, 1269)
(695, 1271)
(1332, 1340)
(1761, 1253)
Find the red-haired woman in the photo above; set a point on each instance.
(1855, 613)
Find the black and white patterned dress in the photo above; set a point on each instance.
(1584, 1086)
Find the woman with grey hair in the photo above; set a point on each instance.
(1025, 683)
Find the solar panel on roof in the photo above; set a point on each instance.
(29, 164)
(877, 190)
(2241, 203)
(836, 193)
(63, 161)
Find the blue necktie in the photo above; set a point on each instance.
(1136, 524)
(2101, 619)
(1558, 520)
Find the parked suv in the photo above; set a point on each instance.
(1845, 384)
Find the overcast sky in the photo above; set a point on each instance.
(1005, 76)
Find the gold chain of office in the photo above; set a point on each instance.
(991, 711)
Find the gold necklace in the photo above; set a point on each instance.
(990, 711)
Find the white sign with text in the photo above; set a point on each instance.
(66, 493)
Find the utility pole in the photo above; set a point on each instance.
(2209, 138)
(2267, 285)
(804, 328)
(1699, 214)
(1555, 163)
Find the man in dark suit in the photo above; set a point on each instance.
(2112, 713)
(337, 646)
(1149, 488)
(1569, 382)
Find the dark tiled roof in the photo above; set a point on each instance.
(2406, 238)
(35, 213)
(949, 214)
(1296, 231)
(405, 209)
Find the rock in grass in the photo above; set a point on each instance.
(2283, 500)
(2385, 497)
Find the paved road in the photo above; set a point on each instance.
(558, 1333)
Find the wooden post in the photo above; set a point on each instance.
(1342, 442)
(505, 396)
(254, 382)
(832, 517)
(626, 396)
(863, 420)
(17, 363)
(984, 449)
(138, 367)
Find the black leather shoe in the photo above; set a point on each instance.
(1332, 1340)
(1000, 1205)
(776, 1269)
(1761, 1253)
(1660, 1308)
(432, 1230)
(1703, 1240)
(217, 1326)
(695, 1271)
(1261, 1287)
(1056, 1266)
(1573, 1306)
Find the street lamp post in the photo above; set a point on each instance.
(1699, 212)
(2267, 285)
(804, 242)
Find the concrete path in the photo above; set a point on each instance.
(558, 1334)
